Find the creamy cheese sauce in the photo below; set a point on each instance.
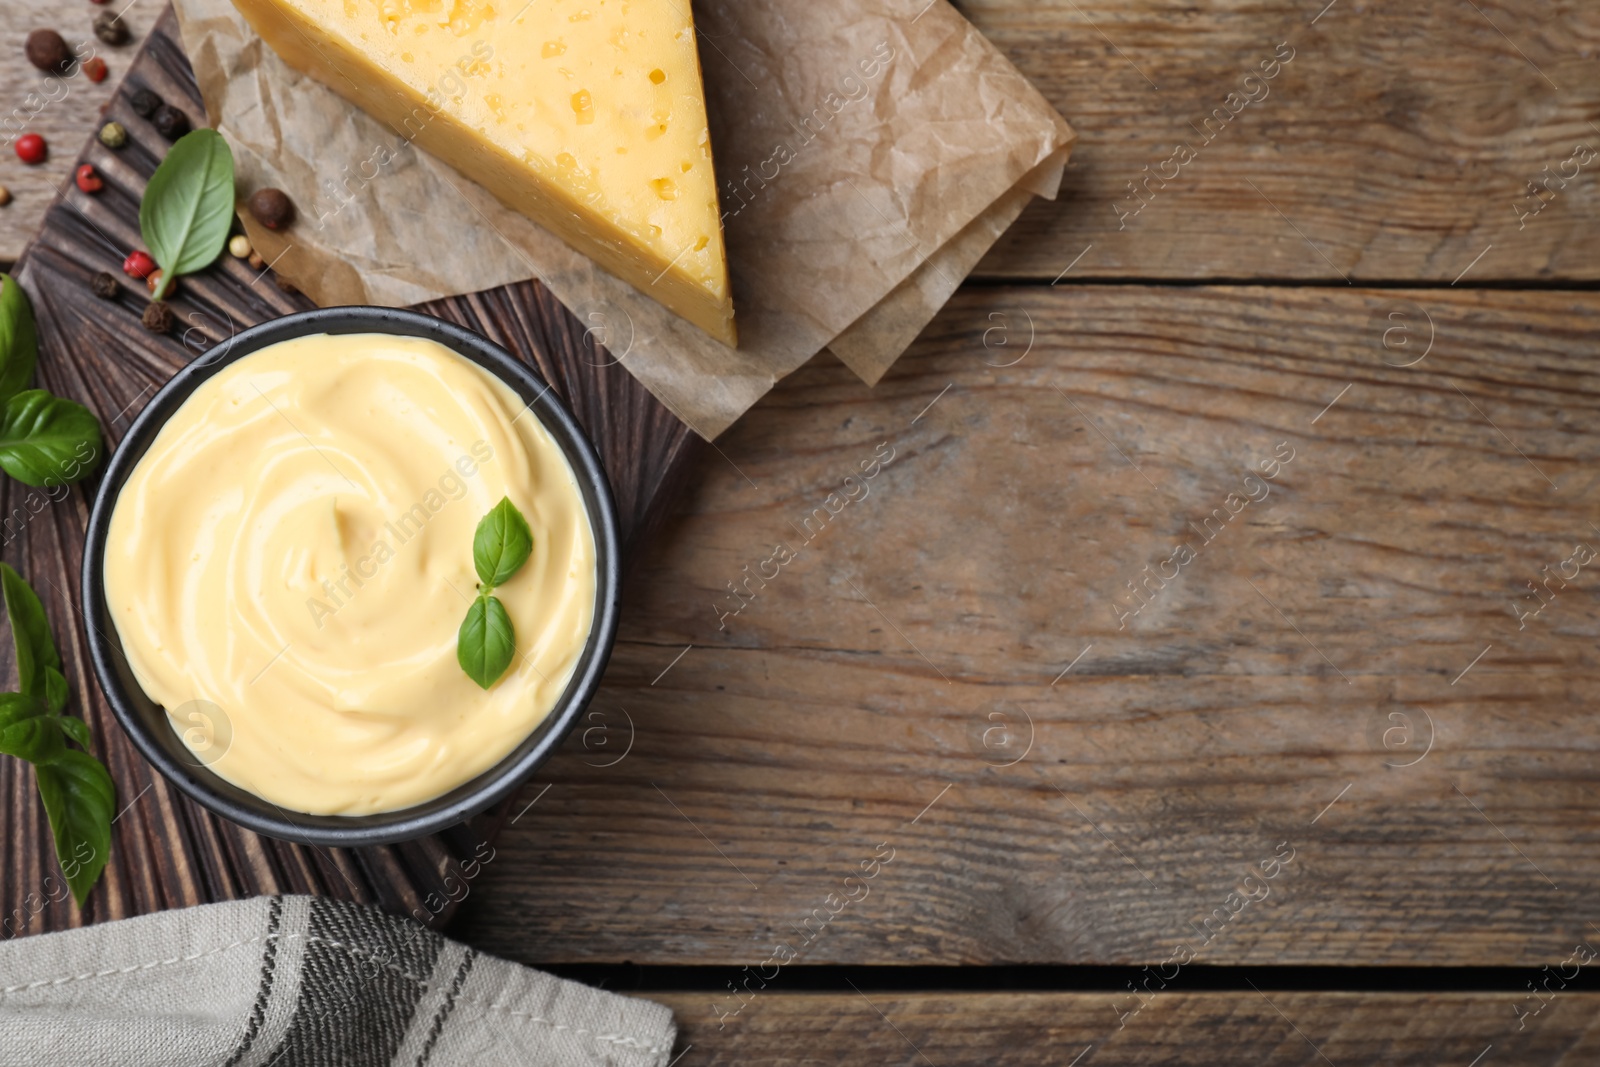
(295, 549)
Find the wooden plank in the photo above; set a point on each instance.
(1174, 1029)
(167, 852)
(870, 694)
(62, 110)
(1397, 144)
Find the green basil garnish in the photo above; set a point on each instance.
(44, 440)
(77, 792)
(81, 802)
(47, 440)
(501, 544)
(187, 208)
(19, 341)
(487, 642)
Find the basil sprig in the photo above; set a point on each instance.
(19, 341)
(45, 440)
(187, 208)
(76, 789)
(487, 641)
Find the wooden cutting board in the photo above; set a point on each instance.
(167, 851)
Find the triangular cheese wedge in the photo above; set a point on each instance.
(587, 116)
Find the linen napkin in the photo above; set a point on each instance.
(297, 981)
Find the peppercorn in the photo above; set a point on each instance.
(157, 317)
(113, 135)
(88, 180)
(272, 208)
(47, 51)
(170, 122)
(110, 28)
(104, 285)
(255, 261)
(95, 68)
(5, 196)
(154, 282)
(31, 149)
(138, 265)
(239, 246)
(144, 103)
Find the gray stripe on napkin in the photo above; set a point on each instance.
(269, 966)
(364, 973)
(465, 968)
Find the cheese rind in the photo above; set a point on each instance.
(587, 116)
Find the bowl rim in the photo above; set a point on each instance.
(484, 790)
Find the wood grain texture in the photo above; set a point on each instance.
(62, 110)
(1175, 1029)
(1273, 691)
(1393, 146)
(166, 851)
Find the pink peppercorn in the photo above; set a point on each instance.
(138, 265)
(31, 149)
(88, 180)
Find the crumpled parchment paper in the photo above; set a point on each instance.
(878, 147)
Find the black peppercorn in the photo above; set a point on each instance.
(47, 51)
(170, 122)
(109, 27)
(104, 286)
(158, 317)
(144, 103)
(272, 208)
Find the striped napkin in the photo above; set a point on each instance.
(295, 981)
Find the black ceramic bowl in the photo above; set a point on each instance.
(148, 723)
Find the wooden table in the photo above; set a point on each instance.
(1078, 740)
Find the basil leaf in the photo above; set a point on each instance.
(19, 340)
(27, 731)
(30, 631)
(187, 208)
(501, 544)
(47, 440)
(75, 728)
(80, 800)
(75, 787)
(37, 740)
(55, 689)
(487, 642)
(15, 707)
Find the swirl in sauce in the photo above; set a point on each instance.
(295, 548)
